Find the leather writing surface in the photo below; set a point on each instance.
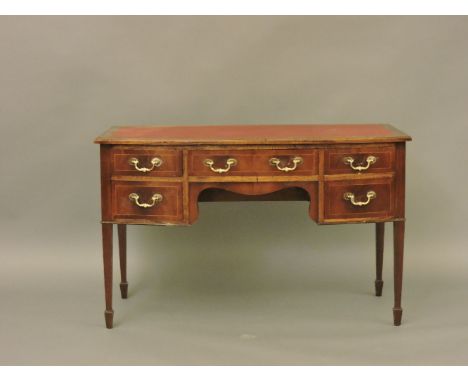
(249, 132)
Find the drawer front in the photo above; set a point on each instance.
(155, 201)
(147, 162)
(253, 162)
(359, 159)
(359, 199)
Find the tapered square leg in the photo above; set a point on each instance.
(398, 245)
(107, 259)
(109, 317)
(122, 233)
(379, 249)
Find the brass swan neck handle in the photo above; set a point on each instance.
(156, 198)
(350, 196)
(156, 162)
(350, 161)
(277, 162)
(230, 162)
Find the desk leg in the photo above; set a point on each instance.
(398, 244)
(379, 249)
(107, 257)
(122, 232)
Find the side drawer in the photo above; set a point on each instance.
(264, 162)
(155, 201)
(359, 199)
(359, 159)
(147, 161)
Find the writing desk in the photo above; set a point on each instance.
(156, 175)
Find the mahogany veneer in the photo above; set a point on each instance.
(340, 209)
(348, 173)
(334, 158)
(254, 162)
(170, 161)
(169, 209)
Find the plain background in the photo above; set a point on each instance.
(249, 283)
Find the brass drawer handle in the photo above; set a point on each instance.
(296, 161)
(156, 162)
(229, 163)
(156, 198)
(350, 196)
(350, 160)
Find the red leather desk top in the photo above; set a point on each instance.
(251, 134)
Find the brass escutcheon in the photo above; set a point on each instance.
(350, 196)
(277, 162)
(156, 162)
(350, 160)
(156, 198)
(229, 163)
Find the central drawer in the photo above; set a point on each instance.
(265, 162)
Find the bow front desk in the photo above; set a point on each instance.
(157, 175)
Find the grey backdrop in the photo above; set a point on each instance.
(255, 283)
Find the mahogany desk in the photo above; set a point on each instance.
(157, 175)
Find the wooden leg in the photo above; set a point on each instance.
(122, 232)
(379, 249)
(398, 244)
(107, 257)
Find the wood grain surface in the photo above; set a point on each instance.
(251, 134)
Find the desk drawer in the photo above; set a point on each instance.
(359, 159)
(358, 199)
(253, 162)
(147, 162)
(155, 201)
